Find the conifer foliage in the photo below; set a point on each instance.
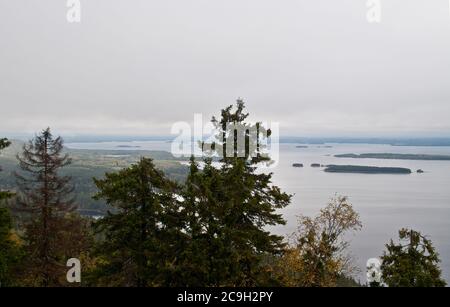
(230, 206)
(412, 262)
(141, 230)
(45, 198)
(211, 231)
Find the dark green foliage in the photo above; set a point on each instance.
(5, 244)
(10, 252)
(209, 232)
(413, 262)
(9, 249)
(140, 239)
(347, 282)
(236, 139)
(228, 208)
(366, 169)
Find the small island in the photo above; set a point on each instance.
(315, 165)
(301, 146)
(127, 146)
(297, 165)
(366, 169)
(394, 156)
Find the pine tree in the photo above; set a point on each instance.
(232, 205)
(51, 234)
(142, 231)
(413, 262)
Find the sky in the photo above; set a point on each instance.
(135, 67)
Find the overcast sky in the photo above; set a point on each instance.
(137, 66)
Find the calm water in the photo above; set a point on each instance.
(385, 203)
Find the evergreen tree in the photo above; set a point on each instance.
(9, 249)
(230, 206)
(413, 262)
(205, 260)
(142, 232)
(51, 235)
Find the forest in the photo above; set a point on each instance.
(164, 224)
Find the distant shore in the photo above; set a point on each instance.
(395, 156)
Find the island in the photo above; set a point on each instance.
(297, 165)
(395, 156)
(366, 169)
(315, 165)
(127, 146)
(301, 146)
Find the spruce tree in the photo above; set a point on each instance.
(205, 261)
(45, 198)
(141, 231)
(413, 262)
(233, 204)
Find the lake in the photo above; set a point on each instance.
(385, 203)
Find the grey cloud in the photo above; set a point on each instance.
(317, 67)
